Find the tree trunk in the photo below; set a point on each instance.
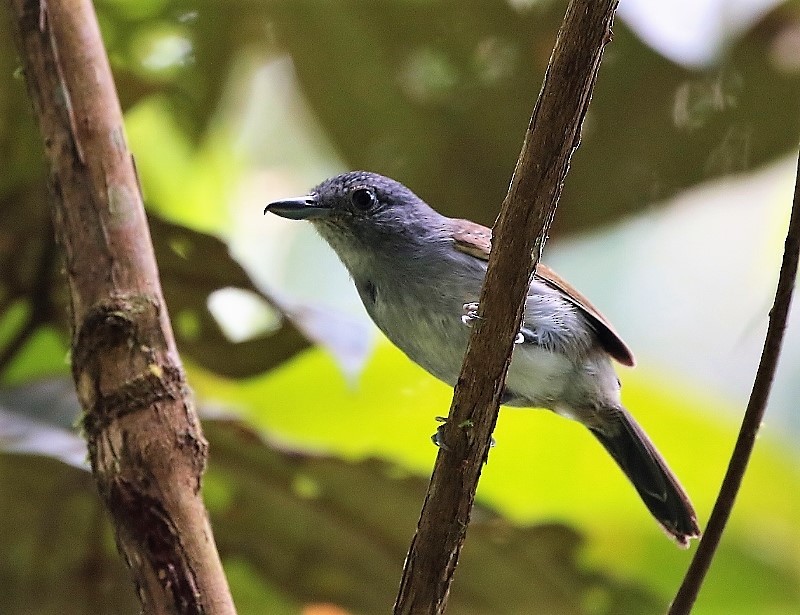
(145, 443)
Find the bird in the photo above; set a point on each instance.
(419, 275)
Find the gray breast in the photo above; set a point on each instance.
(422, 317)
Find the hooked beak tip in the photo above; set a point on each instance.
(298, 208)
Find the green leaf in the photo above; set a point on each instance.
(293, 529)
(547, 468)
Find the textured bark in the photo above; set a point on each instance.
(145, 443)
(519, 234)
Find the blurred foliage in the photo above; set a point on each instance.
(436, 94)
(292, 529)
(299, 527)
(544, 467)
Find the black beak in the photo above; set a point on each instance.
(298, 208)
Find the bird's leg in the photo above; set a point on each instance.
(470, 314)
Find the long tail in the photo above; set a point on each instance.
(645, 467)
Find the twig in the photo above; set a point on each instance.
(146, 447)
(519, 235)
(754, 414)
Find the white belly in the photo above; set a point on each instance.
(537, 377)
(432, 334)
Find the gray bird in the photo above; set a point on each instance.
(419, 275)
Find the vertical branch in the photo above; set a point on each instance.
(754, 414)
(519, 234)
(145, 443)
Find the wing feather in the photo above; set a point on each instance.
(476, 240)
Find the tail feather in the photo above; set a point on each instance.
(646, 469)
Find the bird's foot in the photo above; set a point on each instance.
(438, 437)
(470, 314)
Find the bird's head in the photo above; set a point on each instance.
(362, 212)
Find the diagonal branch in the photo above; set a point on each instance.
(145, 443)
(519, 235)
(754, 414)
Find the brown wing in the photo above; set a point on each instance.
(472, 238)
(609, 337)
(476, 240)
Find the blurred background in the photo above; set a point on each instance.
(672, 221)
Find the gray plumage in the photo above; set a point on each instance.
(416, 271)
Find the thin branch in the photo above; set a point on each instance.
(754, 414)
(146, 447)
(519, 235)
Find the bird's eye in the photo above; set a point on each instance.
(363, 198)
